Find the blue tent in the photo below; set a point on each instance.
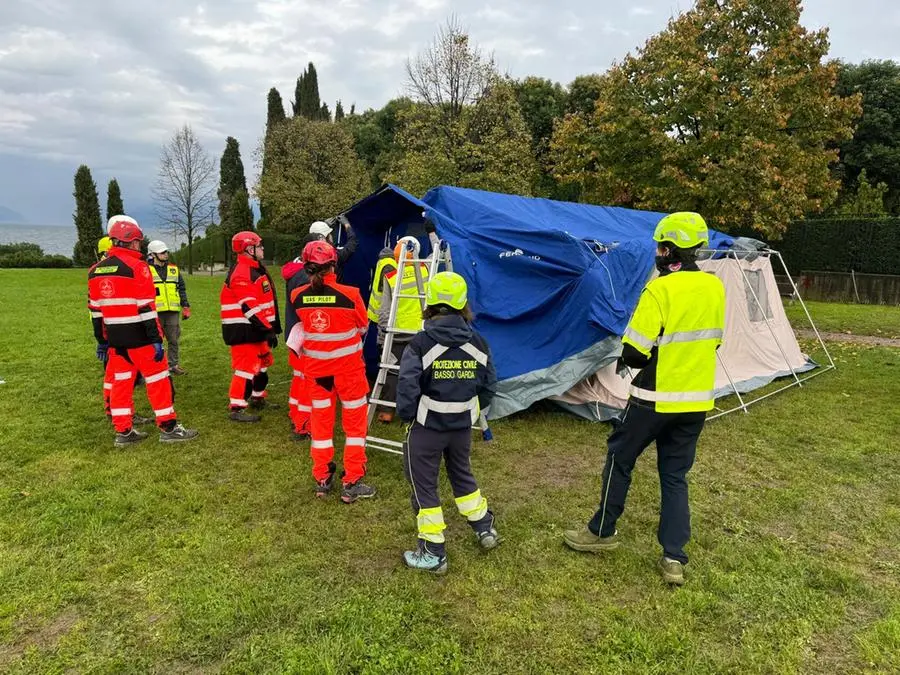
(552, 284)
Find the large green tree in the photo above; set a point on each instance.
(240, 215)
(313, 173)
(87, 217)
(875, 147)
(542, 103)
(730, 111)
(232, 182)
(306, 101)
(487, 146)
(275, 116)
(374, 135)
(583, 94)
(114, 205)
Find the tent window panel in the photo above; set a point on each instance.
(755, 282)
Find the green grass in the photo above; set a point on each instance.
(215, 557)
(877, 320)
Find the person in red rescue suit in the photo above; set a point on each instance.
(121, 298)
(331, 322)
(300, 399)
(250, 326)
(103, 247)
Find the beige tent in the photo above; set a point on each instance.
(759, 344)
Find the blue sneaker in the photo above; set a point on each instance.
(425, 561)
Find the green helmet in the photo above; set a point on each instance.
(446, 288)
(684, 229)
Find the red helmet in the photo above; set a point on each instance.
(244, 240)
(319, 252)
(124, 229)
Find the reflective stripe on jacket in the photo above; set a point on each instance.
(679, 323)
(167, 297)
(121, 299)
(334, 321)
(446, 376)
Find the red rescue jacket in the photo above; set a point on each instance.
(334, 321)
(249, 303)
(122, 300)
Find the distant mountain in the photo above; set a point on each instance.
(7, 215)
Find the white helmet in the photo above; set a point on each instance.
(120, 219)
(157, 246)
(320, 228)
(401, 244)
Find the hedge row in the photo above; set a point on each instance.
(842, 245)
(25, 255)
(215, 247)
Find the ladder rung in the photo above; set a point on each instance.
(384, 441)
(378, 401)
(385, 366)
(402, 331)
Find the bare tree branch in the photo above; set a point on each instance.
(451, 72)
(185, 188)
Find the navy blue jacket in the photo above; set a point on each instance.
(444, 370)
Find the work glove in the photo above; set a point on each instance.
(621, 369)
(272, 340)
(185, 313)
(158, 352)
(101, 352)
(429, 226)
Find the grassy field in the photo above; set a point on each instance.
(215, 557)
(876, 320)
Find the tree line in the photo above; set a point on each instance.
(732, 110)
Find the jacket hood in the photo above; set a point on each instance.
(290, 269)
(450, 330)
(386, 252)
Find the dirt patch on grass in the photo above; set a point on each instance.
(870, 340)
(42, 638)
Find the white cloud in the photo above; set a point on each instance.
(107, 82)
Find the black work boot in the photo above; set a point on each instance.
(259, 402)
(241, 415)
(129, 437)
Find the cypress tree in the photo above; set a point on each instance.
(275, 109)
(231, 181)
(114, 206)
(87, 217)
(310, 105)
(240, 215)
(338, 111)
(325, 114)
(274, 117)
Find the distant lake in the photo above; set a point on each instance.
(59, 239)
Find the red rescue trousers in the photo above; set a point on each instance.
(124, 365)
(250, 363)
(300, 401)
(352, 389)
(107, 385)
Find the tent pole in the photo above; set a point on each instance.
(805, 309)
(731, 382)
(766, 318)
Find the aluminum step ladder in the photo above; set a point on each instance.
(439, 261)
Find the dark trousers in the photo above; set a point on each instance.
(422, 455)
(676, 436)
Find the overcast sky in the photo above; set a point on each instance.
(106, 83)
